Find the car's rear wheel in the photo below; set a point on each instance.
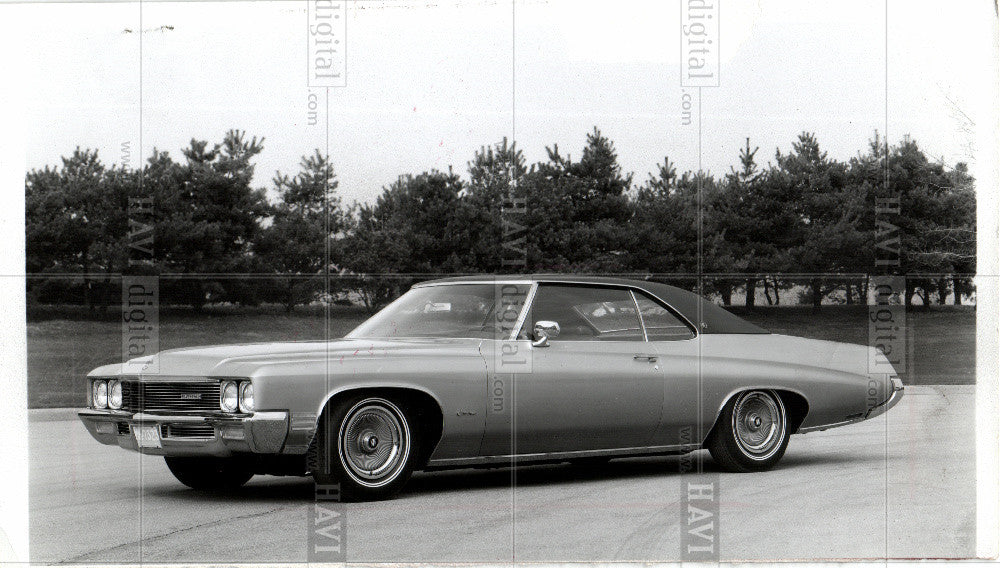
(209, 474)
(365, 444)
(751, 433)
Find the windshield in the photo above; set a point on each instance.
(456, 310)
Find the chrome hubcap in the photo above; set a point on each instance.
(759, 424)
(374, 442)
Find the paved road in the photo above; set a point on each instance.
(902, 485)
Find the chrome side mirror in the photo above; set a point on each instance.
(543, 331)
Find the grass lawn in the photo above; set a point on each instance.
(63, 346)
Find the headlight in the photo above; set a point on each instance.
(229, 398)
(114, 394)
(246, 396)
(100, 394)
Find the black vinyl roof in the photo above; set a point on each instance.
(707, 316)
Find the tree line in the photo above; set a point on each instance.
(802, 224)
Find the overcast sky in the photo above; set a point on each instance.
(430, 82)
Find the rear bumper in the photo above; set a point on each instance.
(893, 400)
(191, 435)
(895, 395)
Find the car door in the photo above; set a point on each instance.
(684, 371)
(595, 385)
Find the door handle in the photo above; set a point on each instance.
(650, 358)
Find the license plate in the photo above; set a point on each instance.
(147, 436)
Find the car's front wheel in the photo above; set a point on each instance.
(209, 474)
(366, 445)
(751, 433)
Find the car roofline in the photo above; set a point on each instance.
(688, 305)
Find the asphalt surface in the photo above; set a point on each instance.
(899, 486)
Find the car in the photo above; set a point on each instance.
(489, 372)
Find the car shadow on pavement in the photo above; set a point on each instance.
(283, 489)
(621, 469)
(262, 489)
(550, 474)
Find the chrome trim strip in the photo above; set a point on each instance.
(461, 282)
(673, 311)
(616, 452)
(642, 322)
(893, 400)
(147, 378)
(828, 426)
(524, 311)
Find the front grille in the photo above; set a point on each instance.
(183, 397)
(187, 431)
(123, 428)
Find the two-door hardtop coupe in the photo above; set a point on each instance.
(490, 371)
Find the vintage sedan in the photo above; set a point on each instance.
(489, 372)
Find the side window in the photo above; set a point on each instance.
(661, 324)
(587, 313)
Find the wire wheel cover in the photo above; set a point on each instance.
(759, 424)
(374, 442)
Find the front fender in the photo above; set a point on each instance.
(456, 382)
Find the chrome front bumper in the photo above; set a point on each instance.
(257, 433)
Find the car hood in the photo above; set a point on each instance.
(222, 360)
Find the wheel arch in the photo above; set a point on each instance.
(796, 407)
(422, 407)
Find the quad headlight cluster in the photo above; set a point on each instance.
(233, 395)
(106, 394)
(236, 395)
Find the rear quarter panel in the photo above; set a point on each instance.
(832, 377)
